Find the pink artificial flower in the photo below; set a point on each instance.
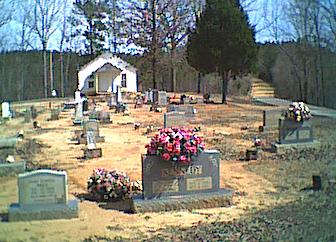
(183, 158)
(165, 156)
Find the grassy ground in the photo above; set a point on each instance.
(272, 200)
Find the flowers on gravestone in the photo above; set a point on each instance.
(177, 145)
(107, 185)
(257, 142)
(298, 111)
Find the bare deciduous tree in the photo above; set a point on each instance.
(46, 19)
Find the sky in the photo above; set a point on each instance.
(261, 14)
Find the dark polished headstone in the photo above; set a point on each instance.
(165, 178)
(291, 132)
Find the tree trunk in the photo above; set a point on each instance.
(173, 70)
(67, 73)
(225, 82)
(154, 42)
(62, 73)
(45, 74)
(199, 80)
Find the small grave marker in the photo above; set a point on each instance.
(43, 194)
(5, 110)
(91, 151)
(79, 114)
(54, 114)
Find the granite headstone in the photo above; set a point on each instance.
(164, 178)
(271, 119)
(189, 110)
(43, 194)
(291, 132)
(175, 119)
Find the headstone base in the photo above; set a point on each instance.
(283, 148)
(222, 198)
(93, 153)
(8, 169)
(43, 212)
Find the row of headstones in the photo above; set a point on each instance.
(101, 116)
(43, 194)
(156, 97)
(29, 114)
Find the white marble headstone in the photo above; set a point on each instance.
(91, 142)
(78, 97)
(42, 187)
(119, 99)
(5, 110)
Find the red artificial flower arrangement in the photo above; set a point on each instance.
(178, 145)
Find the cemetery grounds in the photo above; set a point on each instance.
(271, 202)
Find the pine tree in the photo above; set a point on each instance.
(223, 41)
(88, 20)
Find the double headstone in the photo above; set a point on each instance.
(164, 178)
(292, 132)
(175, 119)
(43, 194)
(170, 186)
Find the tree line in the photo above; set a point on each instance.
(159, 38)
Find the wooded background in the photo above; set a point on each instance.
(298, 55)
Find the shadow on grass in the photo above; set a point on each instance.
(122, 205)
(302, 220)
